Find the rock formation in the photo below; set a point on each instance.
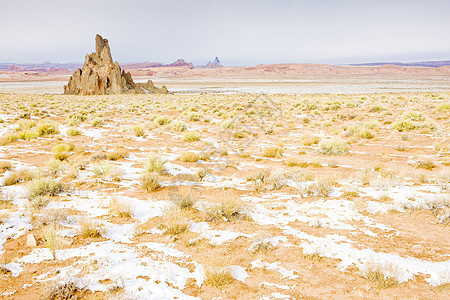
(100, 76)
(181, 63)
(214, 64)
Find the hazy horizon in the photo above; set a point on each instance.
(240, 34)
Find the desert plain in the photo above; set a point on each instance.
(313, 187)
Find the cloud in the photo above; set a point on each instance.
(239, 32)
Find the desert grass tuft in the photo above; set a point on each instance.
(89, 229)
(192, 136)
(218, 277)
(425, 164)
(272, 151)
(44, 187)
(38, 202)
(154, 164)
(333, 147)
(149, 181)
(121, 209)
(174, 220)
(51, 239)
(63, 291)
(377, 275)
(72, 131)
(228, 208)
(184, 196)
(189, 156)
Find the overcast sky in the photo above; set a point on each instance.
(239, 32)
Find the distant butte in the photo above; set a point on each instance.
(100, 76)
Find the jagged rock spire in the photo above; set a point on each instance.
(99, 76)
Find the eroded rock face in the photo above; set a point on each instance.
(100, 76)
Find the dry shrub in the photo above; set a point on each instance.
(90, 229)
(272, 151)
(333, 147)
(425, 164)
(51, 239)
(154, 164)
(174, 221)
(38, 202)
(122, 209)
(63, 291)
(116, 154)
(44, 187)
(149, 181)
(189, 156)
(228, 208)
(218, 277)
(19, 176)
(192, 136)
(184, 196)
(382, 273)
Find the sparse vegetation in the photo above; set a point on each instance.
(44, 187)
(174, 221)
(218, 277)
(333, 147)
(149, 181)
(189, 157)
(89, 229)
(228, 208)
(272, 152)
(154, 164)
(192, 136)
(120, 208)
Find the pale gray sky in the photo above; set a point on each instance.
(245, 32)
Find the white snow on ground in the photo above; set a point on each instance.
(125, 267)
(215, 237)
(95, 134)
(340, 247)
(276, 266)
(13, 227)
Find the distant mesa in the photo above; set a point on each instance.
(214, 64)
(181, 63)
(100, 76)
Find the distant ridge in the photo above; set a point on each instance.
(429, 64)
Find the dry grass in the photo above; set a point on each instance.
(73, 131)
(38, 202)
(261, 245)
(117, 154)
(333, 147)
(121, 209)
(44, 187)
(51, 239)
(19, 176)
(218, 277)
(108, 170)
(154, 164)
(184, 196)
(192, 136)
(174, 221)
(189, 156)
(382, 273)
(63, 291)
(149, 181)
(228, 208)
(425, 164)
(89, 229)
(273, 151)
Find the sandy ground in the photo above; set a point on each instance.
(319, 196)
(292, 85)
